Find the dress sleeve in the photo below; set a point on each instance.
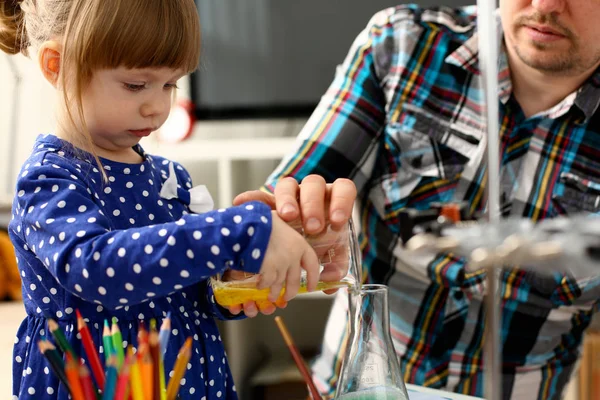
(342, 136)
(64, 226)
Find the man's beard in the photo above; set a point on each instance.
(568, 62)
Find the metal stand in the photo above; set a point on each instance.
(488, 61)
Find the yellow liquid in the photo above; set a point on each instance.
(228, 294)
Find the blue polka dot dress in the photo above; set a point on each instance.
(117, 248)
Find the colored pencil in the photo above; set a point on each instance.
(155, 354)
(135, 377)
(55, 360)
(111, 378)
(107, 340)
(297, 358)
(161, 376)
(165, 331)
(87, 385)
(142, 338)
(147, 372)
(117, 340)
(72, 372)
(179, 370)
(60, 338)
(90, 350)
(121, 392)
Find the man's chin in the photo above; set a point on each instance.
(545, 60)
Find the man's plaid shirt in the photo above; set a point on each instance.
(403, 119)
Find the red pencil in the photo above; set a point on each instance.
(90, 350)
(123, 381)
(86, 383)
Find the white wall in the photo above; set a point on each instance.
(34, 107)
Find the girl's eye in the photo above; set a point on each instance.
(134, 87)
(171, 86)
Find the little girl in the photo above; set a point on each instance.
(99, 225)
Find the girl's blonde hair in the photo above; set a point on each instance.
(98, 34)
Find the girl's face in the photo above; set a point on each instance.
(122, 105)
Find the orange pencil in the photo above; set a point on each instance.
(142, 338)
(147, 372)
(90, 350)
(179, 370)
(72, 371)
(87, 385)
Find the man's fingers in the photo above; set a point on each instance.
(312, 203)
(341, 200)
(286, 198)
(255, 195)
(333, 272)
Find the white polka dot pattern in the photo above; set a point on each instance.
(107, 247)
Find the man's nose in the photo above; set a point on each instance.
(548, 6)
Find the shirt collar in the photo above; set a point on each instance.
(466, 57)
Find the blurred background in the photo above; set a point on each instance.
(263, 68)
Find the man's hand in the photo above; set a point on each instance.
(312, 202)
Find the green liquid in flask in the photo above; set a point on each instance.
(376, 393)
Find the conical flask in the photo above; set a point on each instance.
(370, 369)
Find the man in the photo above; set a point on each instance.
(403, 120)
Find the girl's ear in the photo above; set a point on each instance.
(49, 56)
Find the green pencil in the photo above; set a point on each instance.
(117, 340)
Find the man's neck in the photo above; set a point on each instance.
(536, 91)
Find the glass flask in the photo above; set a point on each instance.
(370, 369)
(335, 249)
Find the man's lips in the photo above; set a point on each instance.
(543, 33)
(545, 29)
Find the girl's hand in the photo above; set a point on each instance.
(251, 308)
(287, 253)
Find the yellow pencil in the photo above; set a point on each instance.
(135, 378)
(180, 367)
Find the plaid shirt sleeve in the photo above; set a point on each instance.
(342, 136)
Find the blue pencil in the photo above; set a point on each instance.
(111, 378)
(165, 331)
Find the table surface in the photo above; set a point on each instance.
(443, 395)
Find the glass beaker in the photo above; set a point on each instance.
(370, 369)
(334, 248)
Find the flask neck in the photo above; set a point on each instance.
(369, 313)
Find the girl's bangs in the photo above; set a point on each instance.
(144, 34)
